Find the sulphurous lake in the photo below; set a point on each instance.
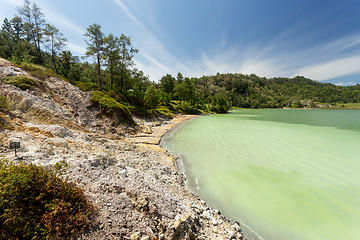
(283, 174)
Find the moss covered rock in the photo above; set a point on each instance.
(37, 71)
(22, 82)
(111, 107)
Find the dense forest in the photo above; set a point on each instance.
(30, 42)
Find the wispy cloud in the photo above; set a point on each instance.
(128, 12)
(320, 62)
(345, 83)
(154, 58)
(51, 16)
(56, 19)
(78, 49)
(62, 22)
(13, 2)
(66, 26)
(331, 69)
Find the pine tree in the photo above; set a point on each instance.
(56, 41)
(33, 25)
(112, 55)
(95, 46)
(126, 59)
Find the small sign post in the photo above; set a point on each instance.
(15, 145)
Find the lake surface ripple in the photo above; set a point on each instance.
(287, 174)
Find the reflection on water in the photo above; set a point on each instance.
(288, 174)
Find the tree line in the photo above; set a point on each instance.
(27, 37)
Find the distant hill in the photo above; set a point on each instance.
(251, 91)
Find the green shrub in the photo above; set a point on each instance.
(22, 82)
(140, 111)
(37, 71)
(37, 204)
(176, 106)
(86, 86)
(189, 109)
(164, 110)
(151, 97)
(110, 106)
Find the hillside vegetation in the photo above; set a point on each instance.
(24, 38)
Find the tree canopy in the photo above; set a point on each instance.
(23, 39)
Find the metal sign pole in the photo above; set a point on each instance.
(14, 145)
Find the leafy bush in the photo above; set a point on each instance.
(189, 109)
(36, 204)
(166, 111)
(22, 82)
(220, 105)
(111, 106)
(151, 97)
(37, 71)
(86, 86)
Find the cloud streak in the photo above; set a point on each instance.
(293, 51)
(154, 58)
(128, 12)
(331, 69)
(78, 49)
(63, 22)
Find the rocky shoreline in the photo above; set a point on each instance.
(134, 183)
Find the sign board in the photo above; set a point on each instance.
(15, 145)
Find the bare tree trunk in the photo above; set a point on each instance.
(99, 72)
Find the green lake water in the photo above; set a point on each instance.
(286, 174)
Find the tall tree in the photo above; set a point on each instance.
(7, 27)
(127, 53)
(67, 61)
(111, 55)
(33, 24)
(95, 46)
(151, 97)
(56, 41)
(17, 25)
(25, 11)
(39, 21)
(185, 91)
(6, 40)
(167, 83)
(179, 77)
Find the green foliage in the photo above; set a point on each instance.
(110, 106)
(220, 105)
(151, 97)
(185, 91)
(166, 111)
(187, 108)
(95, 47)
(86, 86)
(37, 204)
(59, 167)
(38, 71)
(22, 82)
(167, 83)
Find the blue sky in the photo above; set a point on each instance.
(272, 38)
